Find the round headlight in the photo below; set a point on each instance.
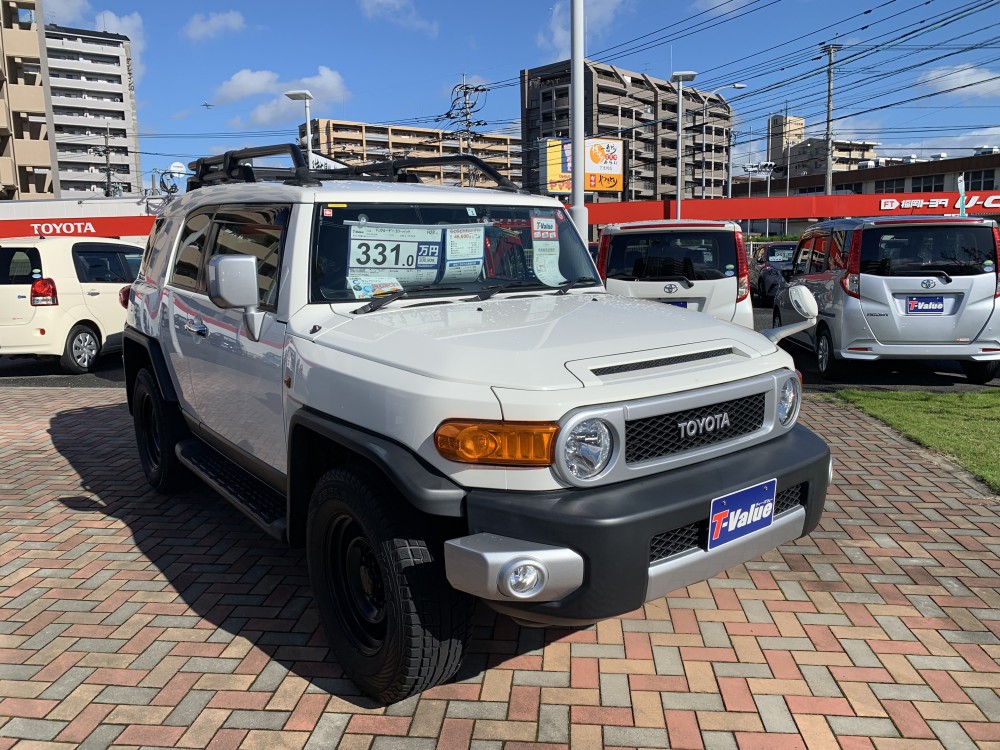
(588, 448)
(788, 402)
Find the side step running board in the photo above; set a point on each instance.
(255, 498)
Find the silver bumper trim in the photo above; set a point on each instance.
(473, 564)
(698, 565)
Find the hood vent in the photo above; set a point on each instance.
(662, 362)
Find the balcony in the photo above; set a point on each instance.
(7, 172)
(20, 43)
(24, 98)
(32, 153)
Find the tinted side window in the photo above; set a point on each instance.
(256, 231)
(19, 265)
(838, 257)
(821, 247)
(100, 264)
(803, 256)
(187, 267)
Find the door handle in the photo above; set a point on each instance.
(197, 328)
(92, 293)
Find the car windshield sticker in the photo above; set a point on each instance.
(366, 287)
(464, 252)
(409, 254)
(470, 211)
(545, 250)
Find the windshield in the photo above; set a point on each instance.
(648, 256)
(780, 253)
(957, 250)
(362, 251)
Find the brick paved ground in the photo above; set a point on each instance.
(128, 620)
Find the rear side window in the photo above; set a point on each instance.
(653, 256)
(19, 265)
(187, 268)
(97, 263)
(957, 250)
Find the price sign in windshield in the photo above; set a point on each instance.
(409, 254)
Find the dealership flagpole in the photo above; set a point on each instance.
(579, 210)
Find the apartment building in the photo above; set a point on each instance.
(357, 142)
(640, 109)
(93, 112)
(790, 150)
(26, 152)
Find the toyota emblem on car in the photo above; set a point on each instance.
(670, 288)
(928, 283)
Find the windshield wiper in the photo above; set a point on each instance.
(385, 299)
(489, 291)
(567, 285)
(927, 272)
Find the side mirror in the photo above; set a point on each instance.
(802, 301)
(232, 284)
(232, 281)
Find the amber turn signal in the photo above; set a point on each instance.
(497, 443)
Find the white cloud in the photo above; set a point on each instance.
(399, 12)
(327, 86)
(202, 27)
(130, 26)
(246, 83)
(555, 36)
(975, 80)
(66, 12)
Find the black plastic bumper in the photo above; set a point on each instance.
(611, 527)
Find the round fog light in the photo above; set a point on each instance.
(522, 579)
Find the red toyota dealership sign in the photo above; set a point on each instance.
(89, 226)
(797, 207)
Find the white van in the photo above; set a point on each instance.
(59, 296)
(698, 265)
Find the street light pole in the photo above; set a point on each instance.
(679, 78)
(304, 96)
(704, 123)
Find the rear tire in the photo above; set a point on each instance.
(395, 624)
(830, 368)
(159, 426)
(83, 345)
(980, 373)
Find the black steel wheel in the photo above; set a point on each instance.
(159, 426)
(394, 623)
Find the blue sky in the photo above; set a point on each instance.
(906, 75)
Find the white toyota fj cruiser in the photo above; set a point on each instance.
(431, 390)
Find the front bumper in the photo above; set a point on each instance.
(608, 550)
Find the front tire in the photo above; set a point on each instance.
(980, 373)
(395, 624)
(80, 353)
(159, 426)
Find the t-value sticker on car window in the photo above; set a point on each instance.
(409, 254)
(545, 250)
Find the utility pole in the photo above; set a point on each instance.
(464, 104)
(830, 50)
(786, 141)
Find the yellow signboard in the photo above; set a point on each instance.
(603, 162)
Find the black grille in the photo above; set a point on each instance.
(670, 543)
(654, 437)
(788, 499)
(664, 362)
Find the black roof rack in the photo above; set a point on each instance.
(236, 166)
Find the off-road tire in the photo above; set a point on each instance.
(159, 426)
(830, 368)
(394, 623)
(83, 347)
(980, 373)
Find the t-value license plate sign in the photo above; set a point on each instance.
(740, 513)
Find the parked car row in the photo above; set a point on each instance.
(902, 288)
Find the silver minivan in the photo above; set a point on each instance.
(697, 265)
(902, 287)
